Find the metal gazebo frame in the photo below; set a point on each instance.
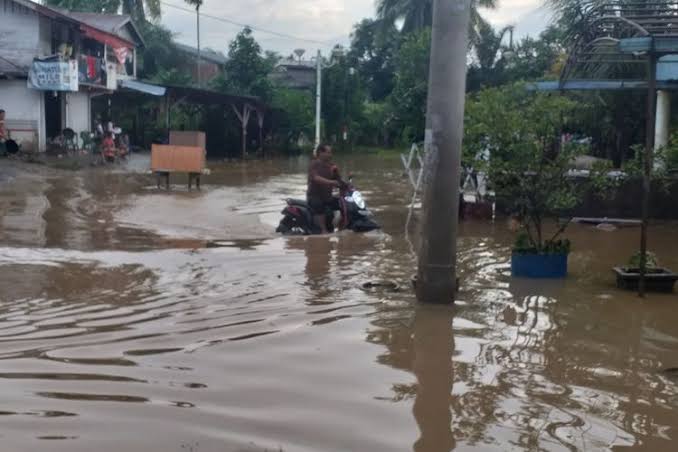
(617, 33)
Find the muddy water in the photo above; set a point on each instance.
(121, 328)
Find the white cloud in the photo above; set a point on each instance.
(530, 17)
(328, 21)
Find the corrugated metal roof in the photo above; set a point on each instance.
(304, 64)
(108, 23)
(8, 67)
(598, 85)
(206, 54)
(111, 23)
(146, 88)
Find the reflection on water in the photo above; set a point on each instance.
(433, 351)
(181, 320)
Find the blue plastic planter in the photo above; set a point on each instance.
(539, 266)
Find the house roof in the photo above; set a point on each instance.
(299, 65)
(210, 97)
(68, 16)
(110, 23)
(206, 54)
(10, 68)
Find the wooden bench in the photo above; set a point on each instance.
(186, 153)
(167, 159)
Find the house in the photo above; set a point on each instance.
(53, 62)
(295, 74)
(211, 63)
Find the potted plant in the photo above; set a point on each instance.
(529, 169)
(657, 279)
(662, 176)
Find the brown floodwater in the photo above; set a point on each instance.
(122, 326)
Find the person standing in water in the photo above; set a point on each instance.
(323, 177)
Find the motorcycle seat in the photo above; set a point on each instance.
(298, 203)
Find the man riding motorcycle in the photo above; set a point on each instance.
(323, 177)
(317, 214)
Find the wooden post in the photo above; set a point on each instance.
(163, 176)
(260, 122)
(168, 106)
(193, 177)
(244, 118)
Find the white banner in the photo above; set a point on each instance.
(54, 76)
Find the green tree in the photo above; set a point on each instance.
(247, 68)
(489, 62)
(373, 53)
(515, 136)
(496, 62)
(343, 97)
(294, 114)
(538, 58)
(159, 54)
(409, 96)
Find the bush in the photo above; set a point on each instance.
(528, 164)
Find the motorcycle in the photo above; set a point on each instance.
(353, 214)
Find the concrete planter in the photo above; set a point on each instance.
(656, 280)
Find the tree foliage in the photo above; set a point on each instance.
(410, 94)
(516, 137)
(294, 112)
(247, 69)
(418, 14)
(373, 53)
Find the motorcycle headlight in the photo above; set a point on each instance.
(358, 200)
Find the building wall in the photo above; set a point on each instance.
(24, 109)
(78, 112)
(293, 76)
(45, 39)
(208, 70)
(19, 33)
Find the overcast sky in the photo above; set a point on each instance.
(328, 22)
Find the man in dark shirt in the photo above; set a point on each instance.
(322, 179)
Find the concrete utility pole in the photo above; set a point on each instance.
(647, 167)
(436, 281)
(197, 13)
(318, 98)
(663, 122)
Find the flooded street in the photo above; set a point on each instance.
(123, 326)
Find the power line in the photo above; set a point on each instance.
(243, 25)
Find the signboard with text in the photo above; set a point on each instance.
(54, 76)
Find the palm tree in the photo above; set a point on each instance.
(141, 10)
(490, 50)
(418, 14)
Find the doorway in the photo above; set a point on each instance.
(53, 113)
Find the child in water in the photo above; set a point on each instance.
(108, 148)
